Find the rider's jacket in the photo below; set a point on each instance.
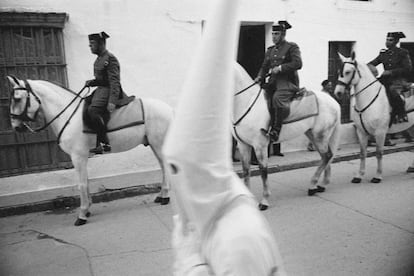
(287, 55)
(396, 60)
(107, 76)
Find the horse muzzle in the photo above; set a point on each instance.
(20, 128)
(339, 90)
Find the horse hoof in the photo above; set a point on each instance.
(318, 189)
(158, 199)
(263, 207)
(356, 180)
(165, 200)
(410, 170)
(80, 222)
(88, 214)
(375, 180)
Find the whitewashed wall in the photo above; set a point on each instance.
(154, 39)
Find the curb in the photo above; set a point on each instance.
(71, 202)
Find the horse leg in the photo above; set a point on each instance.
(333, 147)
(363, 143)
(379, 140)
(163, 196)
(80, 164)
(326, 154)
(245, 152)
(262, 158)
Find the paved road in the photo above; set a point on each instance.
(351, 229)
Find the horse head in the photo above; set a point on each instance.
(349, 74)
(24, 104)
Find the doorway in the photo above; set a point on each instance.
(251, 50)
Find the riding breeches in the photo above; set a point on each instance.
(97, 113)
(279, 106)
(394, 96)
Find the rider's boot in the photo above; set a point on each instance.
(271, 123)
(102, 141)
(277, 126)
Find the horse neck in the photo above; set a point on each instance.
(366, 79)
(244, 100)
(53, 100)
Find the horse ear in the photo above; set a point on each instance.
(353, 55)
(341, 57)
(13, 80)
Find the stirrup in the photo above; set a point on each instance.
(274, 135)
(106, 147)
(264, 131)
(97, 150)
(101, 149)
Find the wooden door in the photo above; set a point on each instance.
(32, 53)
(345, 48)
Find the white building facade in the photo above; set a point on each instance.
(154, 39)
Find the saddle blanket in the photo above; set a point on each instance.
(409, 99)
(126, 116)
(303, 106)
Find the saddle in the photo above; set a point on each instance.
(407, 95)
(303, 105)
(407, 99)
(125, 116)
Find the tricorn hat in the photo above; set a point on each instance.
(98, 36)
(396, 35)
(281, 26)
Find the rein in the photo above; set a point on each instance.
(255, 82)
(243, 90)
(347, 85)
(24, 116)
(248, 109)
(365, 108)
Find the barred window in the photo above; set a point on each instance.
(31, 46)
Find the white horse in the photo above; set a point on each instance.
(372, 110)
(251, 114)
(31, 95)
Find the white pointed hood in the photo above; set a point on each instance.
(197, 149)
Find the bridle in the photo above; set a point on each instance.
(347, 86)
(24, 116)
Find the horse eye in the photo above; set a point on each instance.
(174, 168)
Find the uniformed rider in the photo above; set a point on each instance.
(282, 60)
(108, 95)
(397, 66)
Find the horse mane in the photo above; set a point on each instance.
(61, 86)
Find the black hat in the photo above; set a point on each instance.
(396, 35)
(281, 26)
(98, 36)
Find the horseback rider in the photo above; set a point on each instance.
(397, 65)
(107, 96)
(282, 60)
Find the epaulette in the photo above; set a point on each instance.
(271, 47)
(383, 51)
